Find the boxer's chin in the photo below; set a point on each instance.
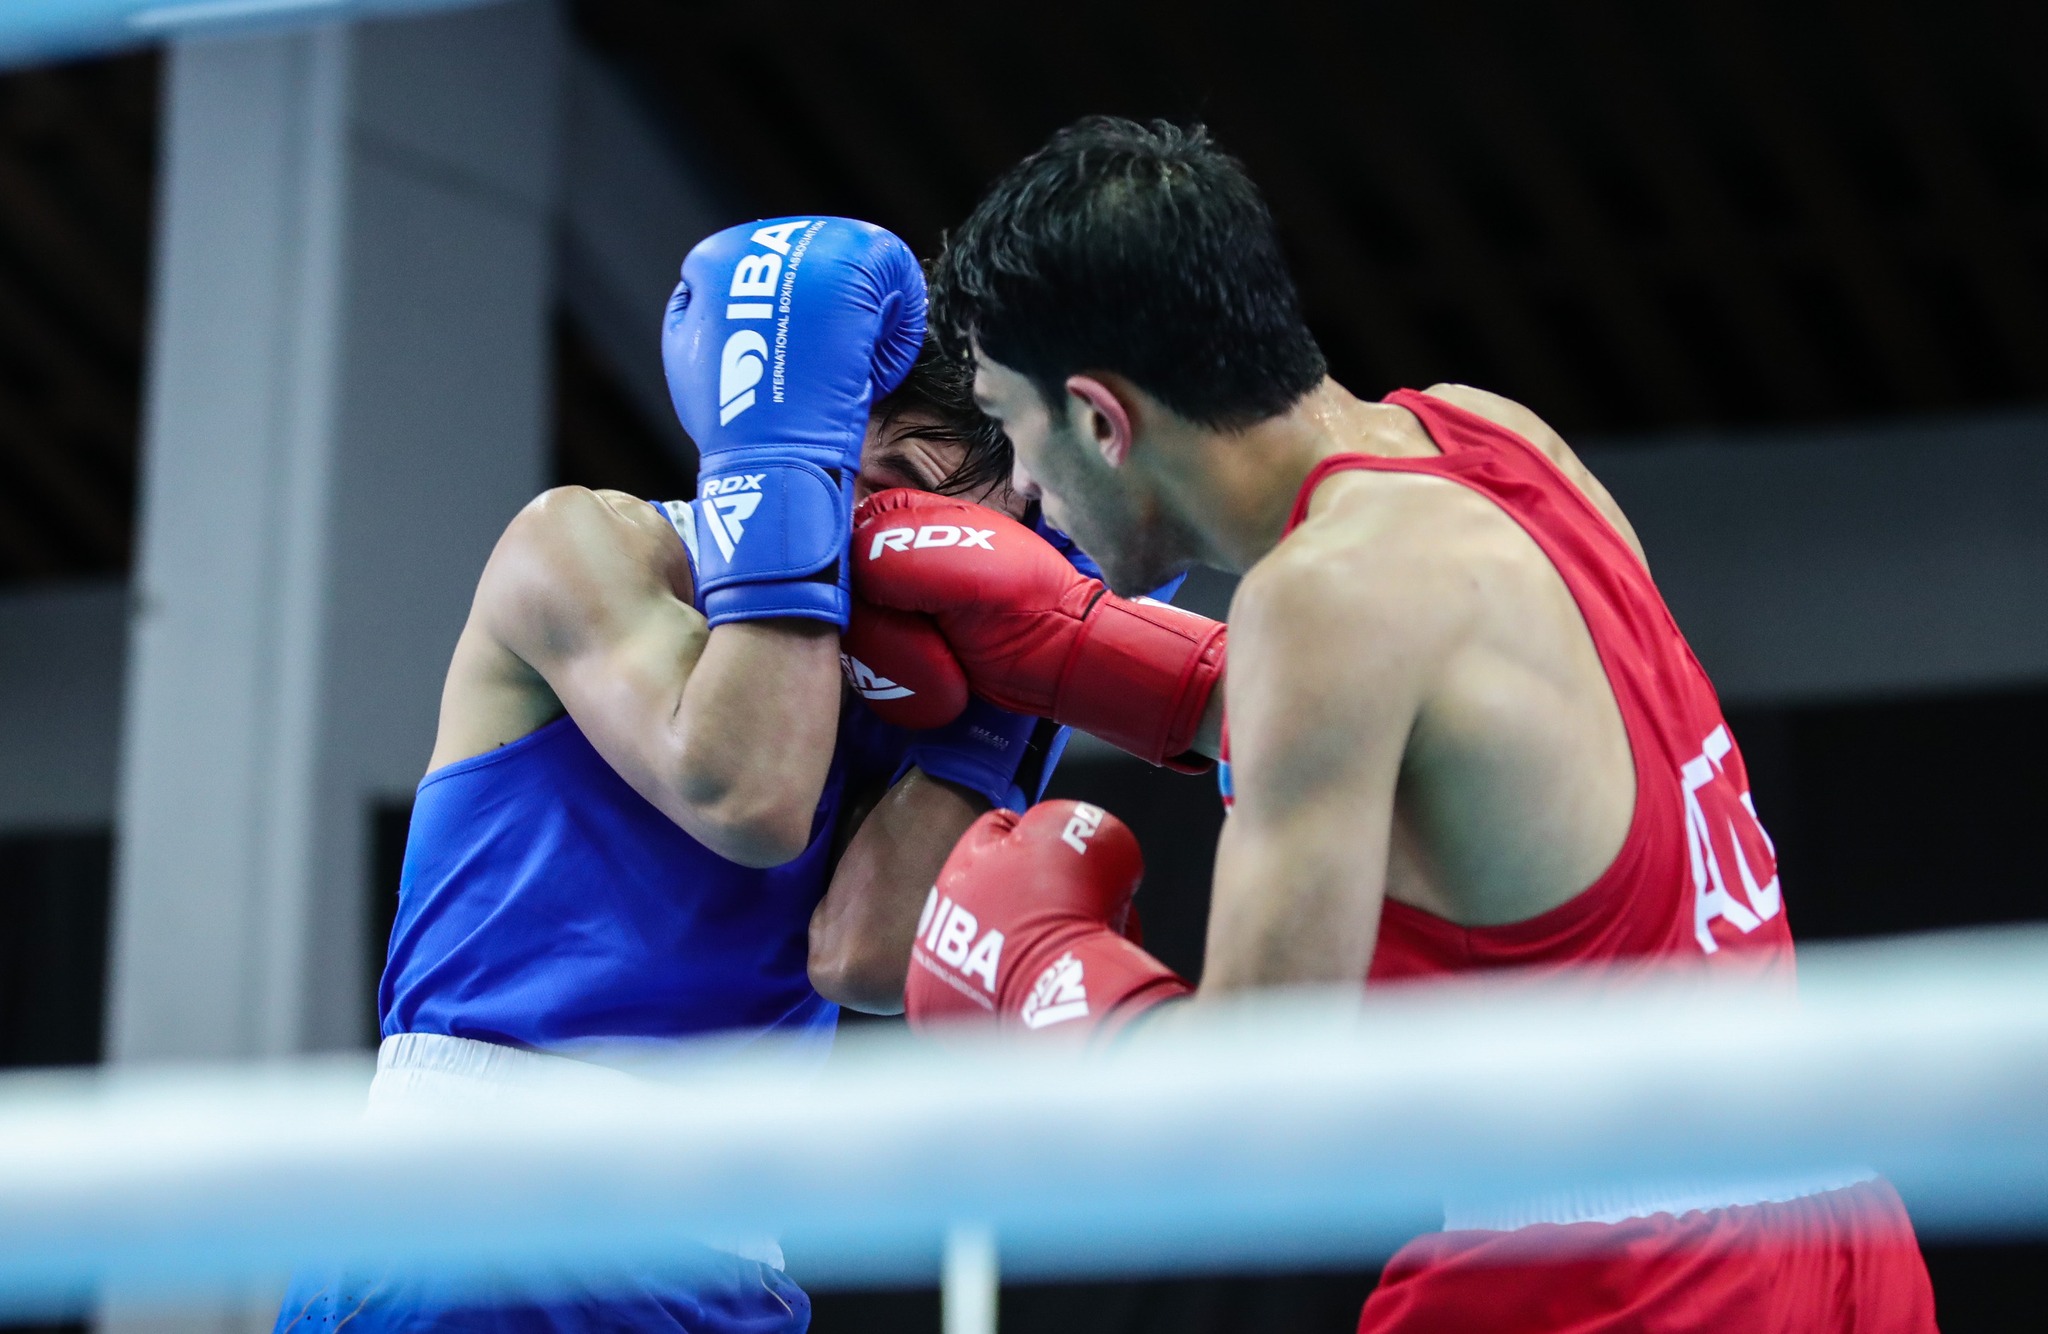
(1139, 561)
(1125, 531)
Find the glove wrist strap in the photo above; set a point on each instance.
(1092, 978)
(770, 541)
(1140, 677)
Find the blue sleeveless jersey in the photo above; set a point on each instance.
(544, 903)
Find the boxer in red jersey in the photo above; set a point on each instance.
(1464, 733)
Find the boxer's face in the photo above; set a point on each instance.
(1108, 510)
(894, 454)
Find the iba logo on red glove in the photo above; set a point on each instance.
(953, 934)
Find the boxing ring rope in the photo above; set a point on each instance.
(41, 30)
(1295, 1130)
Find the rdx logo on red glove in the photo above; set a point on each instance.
(931, 535)
(1058, 995)
(1081, 826)
(870, 683)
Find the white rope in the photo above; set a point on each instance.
(1306, 1129)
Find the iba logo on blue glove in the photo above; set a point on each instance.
(745, 355)
(776, 343)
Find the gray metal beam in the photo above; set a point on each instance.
(62, 653)
(1895, 559)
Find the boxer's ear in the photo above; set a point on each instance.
(1103, 417)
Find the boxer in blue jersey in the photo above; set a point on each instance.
(652, 810)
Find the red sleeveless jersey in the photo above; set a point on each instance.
(1696, 880)
(1696, 877)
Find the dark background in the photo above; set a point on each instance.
(1704, 214)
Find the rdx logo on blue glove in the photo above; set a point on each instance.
(731, 501)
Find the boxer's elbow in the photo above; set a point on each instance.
(756, 824)
(856, 974)
(756, 836)
(741, 802)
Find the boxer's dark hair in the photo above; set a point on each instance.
(1139, 249)
(939, 393)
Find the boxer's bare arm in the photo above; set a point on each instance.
(1334, 645)
(861, 930)
(730, 734)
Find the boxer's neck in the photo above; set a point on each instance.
(1242, 485)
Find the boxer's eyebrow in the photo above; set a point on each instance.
(904, 467)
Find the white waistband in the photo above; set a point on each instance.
(415, 1068)
(435, 1071)
(1615, 1204)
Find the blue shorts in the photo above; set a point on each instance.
(725, 1294)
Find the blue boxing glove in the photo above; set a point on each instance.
(1006, 757)
(777, 340)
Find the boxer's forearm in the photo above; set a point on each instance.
(1296, 900)
(753, 735)
(861, 931)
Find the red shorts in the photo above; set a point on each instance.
(1844, 1260)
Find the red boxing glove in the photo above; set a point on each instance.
(1023, 927)
(1034, 634)
(901, 665)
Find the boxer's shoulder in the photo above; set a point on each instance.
(573, 552)
(1371, 568)
(579, 526)
(1371, 526)
(581, 514)
(1512, 416)
(1505, 413)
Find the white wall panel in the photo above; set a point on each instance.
(348, 398)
